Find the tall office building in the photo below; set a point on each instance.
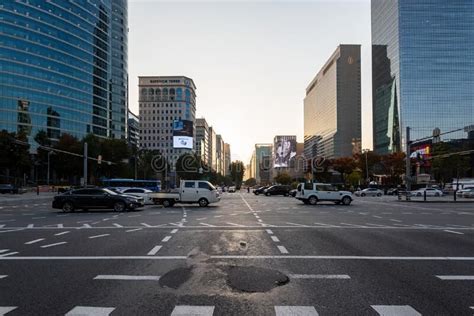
(422, 69)
(64, 67)
(163, 102)
(212, 149)
(227, 159)
(133, 130)
(263, 163)
(332, 106)
(220, 148)
(202, 140)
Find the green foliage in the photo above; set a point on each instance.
(251, 182)
(237, 170)
(14, 158)
(446, 164)
(189, 167)
(283, 178)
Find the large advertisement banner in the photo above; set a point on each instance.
(183, 134)
(284, 149)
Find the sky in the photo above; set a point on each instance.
(250, 60)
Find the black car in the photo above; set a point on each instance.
(10, 188)
(259, 190)
(293, 192)
(277, 190)
(96, 198)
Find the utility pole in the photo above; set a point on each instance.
(47, 176)
(408, 164)
(85, 164)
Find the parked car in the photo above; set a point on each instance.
(10, 188)
(189, 191)
(293, 192)
(259, 190)
(232, 189)
(312, 193)
(277, 190)
(369, 192)
(95, 198)
(141, 192)
(429, 192)
(460, 193)
(468, 193)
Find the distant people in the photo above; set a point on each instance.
(248, 189)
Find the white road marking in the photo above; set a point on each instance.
(55, 244)
(98, 236)
(399, 310)
(326, 225)
(3, 250)
(216, 216)
(11, 230)
(40, 217)
(166, 239)
(377, 225)
(187, 310)
(208, 225)
(233, 214)
(90, 311)
(128, 277)
(275, 238)
(117, 225)
(133, 230)
(3, 276)
(319, 276)
(269, 231)
(245, 201)
(453, 232)
(154, 250)
(34, 241)
(460, 226)
(282, 249)
(234, 224)
(456, 277)
(201, 219)
(1, 226)
(6, 309)
(88, 221)
(353, 225)
(396, 220)
(259, 220)
(8, 254)
(174, 231)
(86, 226)
(8, 220)
(295, 311)
(134, 215)
(62, 233)
(146, 225)
(295, 224)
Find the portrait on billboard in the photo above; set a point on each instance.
(284, 150)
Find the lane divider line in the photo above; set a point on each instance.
(54, 245)
(98, 236)
(34, 241)
(154, 250)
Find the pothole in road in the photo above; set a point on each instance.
(255, 279)
(175, 278)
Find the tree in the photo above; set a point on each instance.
(237, 170)
(15, 159)
(251, 182)
(370, 160)
(189, 167)
(344, 165)
(394, 165)
(283, 178)
(446, 164)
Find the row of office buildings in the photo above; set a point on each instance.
(422, 79)
(64, 69)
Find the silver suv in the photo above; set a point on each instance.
(312, 193)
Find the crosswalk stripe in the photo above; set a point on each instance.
(55, 244)
(34, 241)
(98, 236)
(154, 251)
(188, 310)
(295, 311)
(128, 277)
(90, 311)
(282, 249)
(395, 310)
(6, 309)
(3, 276)
(456, 277)
(319, 276)
(4, 250)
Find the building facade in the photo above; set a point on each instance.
(332, 106)
(133, 130)
(64, 67)
(202, 140)
(422, 69)
(162, 101)
(220, 154)
(263, 163)
(227, 159)
(212, 149)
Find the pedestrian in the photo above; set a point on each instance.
(248, 189)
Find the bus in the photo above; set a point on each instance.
(154, 185)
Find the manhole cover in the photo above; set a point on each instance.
(255, 279)
(174, 278)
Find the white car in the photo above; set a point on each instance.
(312, 193)
(232, 189)
(144, 193)
(429, 192)
(468, 193)
(370, 192)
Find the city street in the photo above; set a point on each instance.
(377, 256)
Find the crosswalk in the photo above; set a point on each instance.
(199, 310)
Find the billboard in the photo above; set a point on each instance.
(183, 134)
(284, 149)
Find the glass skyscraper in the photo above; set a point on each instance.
(63, 67)
(422, 69)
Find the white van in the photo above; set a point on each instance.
(189, 192)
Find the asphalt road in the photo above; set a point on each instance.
(374, 257)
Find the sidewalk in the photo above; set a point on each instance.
(433, 199)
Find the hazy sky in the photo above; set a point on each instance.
(251, 61)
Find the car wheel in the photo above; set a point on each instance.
(256, 193)
(313, 200)
(362, 194)
(379, 194)
(68, 207)
(166, 203)
(286, 194)
(418, 194)
(119, 207)
(436, 194)
(203, 202)
(346, 200)
(267, 194)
